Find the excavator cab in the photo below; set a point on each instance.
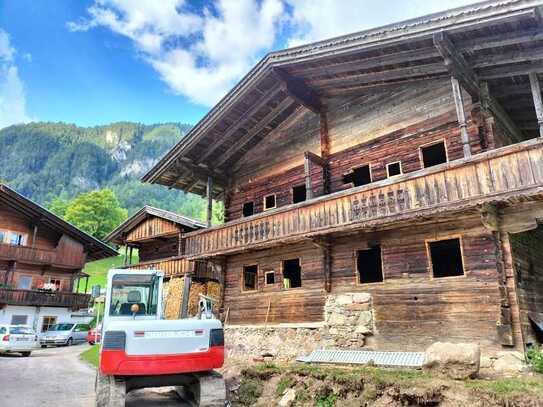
(140, 349)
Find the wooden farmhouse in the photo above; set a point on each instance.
(41, 262)
(382, 188)
(157, 235)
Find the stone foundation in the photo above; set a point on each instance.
(347, 321)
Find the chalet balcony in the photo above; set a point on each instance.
(33, 255)
(9, 296)
(173, 266)
(176, 267)
(513, 172)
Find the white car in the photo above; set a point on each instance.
(18, 338)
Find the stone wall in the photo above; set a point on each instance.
(347, 321)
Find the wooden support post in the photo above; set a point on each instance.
(307, 171)
(325, 150)
(459, 104)
(125, 261)
(130, 256)
(34, 235)
(538, 103)
(184, 311)
(78, 281)
(86, 283)
(209, 192)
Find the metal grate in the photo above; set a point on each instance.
(389, 359)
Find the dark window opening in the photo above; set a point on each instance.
(269, 202)
(394, 169)
(270, 277)
(299, 193)
(292, 273)
(358, 176)
(434, 155)
(248, 209)
(446, 258)
(368, 265)
(249, 277)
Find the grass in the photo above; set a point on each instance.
(327, 386)
(91, 356)
(97, 270)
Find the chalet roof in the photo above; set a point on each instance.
(95, 248)
(148, 211)
(496, 42)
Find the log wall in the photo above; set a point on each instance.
(150, 228)
(527, 253)
(158, 249)
(371, 129)
(411, 307)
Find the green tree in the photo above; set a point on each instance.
(59, 206)
(96, 212)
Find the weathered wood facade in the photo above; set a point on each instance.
(356, 165)
(41, 256)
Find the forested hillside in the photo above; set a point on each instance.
(48, 160)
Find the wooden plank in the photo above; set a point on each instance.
(538, 103)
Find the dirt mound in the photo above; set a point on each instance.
(306, 385)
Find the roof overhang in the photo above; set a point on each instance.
(95, 248)
(494, 42)
(118, 234)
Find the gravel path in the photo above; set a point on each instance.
(55, 377)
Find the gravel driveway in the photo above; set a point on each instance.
(56, 377)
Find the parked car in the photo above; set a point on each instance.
(66, 333)
(94, 335)
(17, 338)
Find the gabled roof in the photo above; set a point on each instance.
(95, 248)
(500, 40)
(116, 236)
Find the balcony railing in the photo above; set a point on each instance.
(33, 255)
(44, 298)
(173, 266)
(488, 177)
(178, 266)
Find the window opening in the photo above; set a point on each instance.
(369, 266)
(270, 277)
(269, 202)
(434, 154)
(446, 257)
(358, 176)
(249, 277)
(248, 209)
(394, 169)
(292, 273)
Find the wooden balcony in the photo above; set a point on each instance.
(173, 266)
(510, 172)
(37, 298)
(32, 255)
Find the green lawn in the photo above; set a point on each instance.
(91, 356)
(97, 270)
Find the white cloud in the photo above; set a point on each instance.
(202, 54)
(312, 21)
(12, 94)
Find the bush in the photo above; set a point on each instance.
(535, 357)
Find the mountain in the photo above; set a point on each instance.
(47, 160)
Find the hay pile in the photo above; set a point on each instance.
(173, 297)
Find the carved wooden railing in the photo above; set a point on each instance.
(491, 176)
(36, 255)
(44, 298)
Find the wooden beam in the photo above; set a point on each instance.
(538, 104)
(298, 90)
(253, 132)
(315, 158)
(307, 173)
(239, 123)
(209, 193)
(459, 105)
(456, 64)
(197, 171)
(508, 71)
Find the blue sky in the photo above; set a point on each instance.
(95, 62)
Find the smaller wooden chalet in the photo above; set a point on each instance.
(41, 262)
(157, 234)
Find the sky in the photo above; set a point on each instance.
(94, 62)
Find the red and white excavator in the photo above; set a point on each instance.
(141, 349)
